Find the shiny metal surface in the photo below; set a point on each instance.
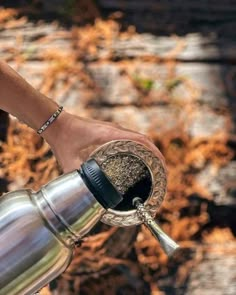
(38, 230)
(168, 245)
(30, 254)
(143, 212)
(155, 166)
(72, 203)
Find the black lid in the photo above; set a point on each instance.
(99, 184)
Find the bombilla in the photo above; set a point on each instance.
(168, 245)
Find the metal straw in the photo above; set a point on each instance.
(168, 245)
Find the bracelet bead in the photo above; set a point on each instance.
(50, 120)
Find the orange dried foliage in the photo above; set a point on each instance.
(26, 159)
(88, 40)
(7, 14)
(218, 235)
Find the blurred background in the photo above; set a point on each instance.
(163, 68)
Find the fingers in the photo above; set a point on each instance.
(146, 141)
(91, 134)
(126, 134)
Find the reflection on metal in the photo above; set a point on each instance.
(125, 162)
(38, 231)
(168, 245)
(157, 173)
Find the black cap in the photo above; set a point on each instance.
(99, 184)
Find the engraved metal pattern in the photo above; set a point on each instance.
(143, 214)
(167, 244)
(127, 218)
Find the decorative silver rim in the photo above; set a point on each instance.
(127, 218)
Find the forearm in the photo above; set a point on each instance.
(70, 137)
(20, 99)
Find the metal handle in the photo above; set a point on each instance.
(168, 245)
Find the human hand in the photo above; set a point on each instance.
(73, 138)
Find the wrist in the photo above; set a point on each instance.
(56, 131)
(52, 118)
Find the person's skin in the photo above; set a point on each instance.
(71, 138)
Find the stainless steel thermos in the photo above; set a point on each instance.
(122, 184)
(38, 230)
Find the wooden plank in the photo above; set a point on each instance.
(192, 47)
(118, 88)
(169, 119)
(195, 47)
(215, 275)
(222, 186)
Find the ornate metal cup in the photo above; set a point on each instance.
(140, 176)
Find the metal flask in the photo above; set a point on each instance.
(122, 184)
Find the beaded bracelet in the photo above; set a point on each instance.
(50, 120)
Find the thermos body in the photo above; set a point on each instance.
(30, 253)
(38, 232)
